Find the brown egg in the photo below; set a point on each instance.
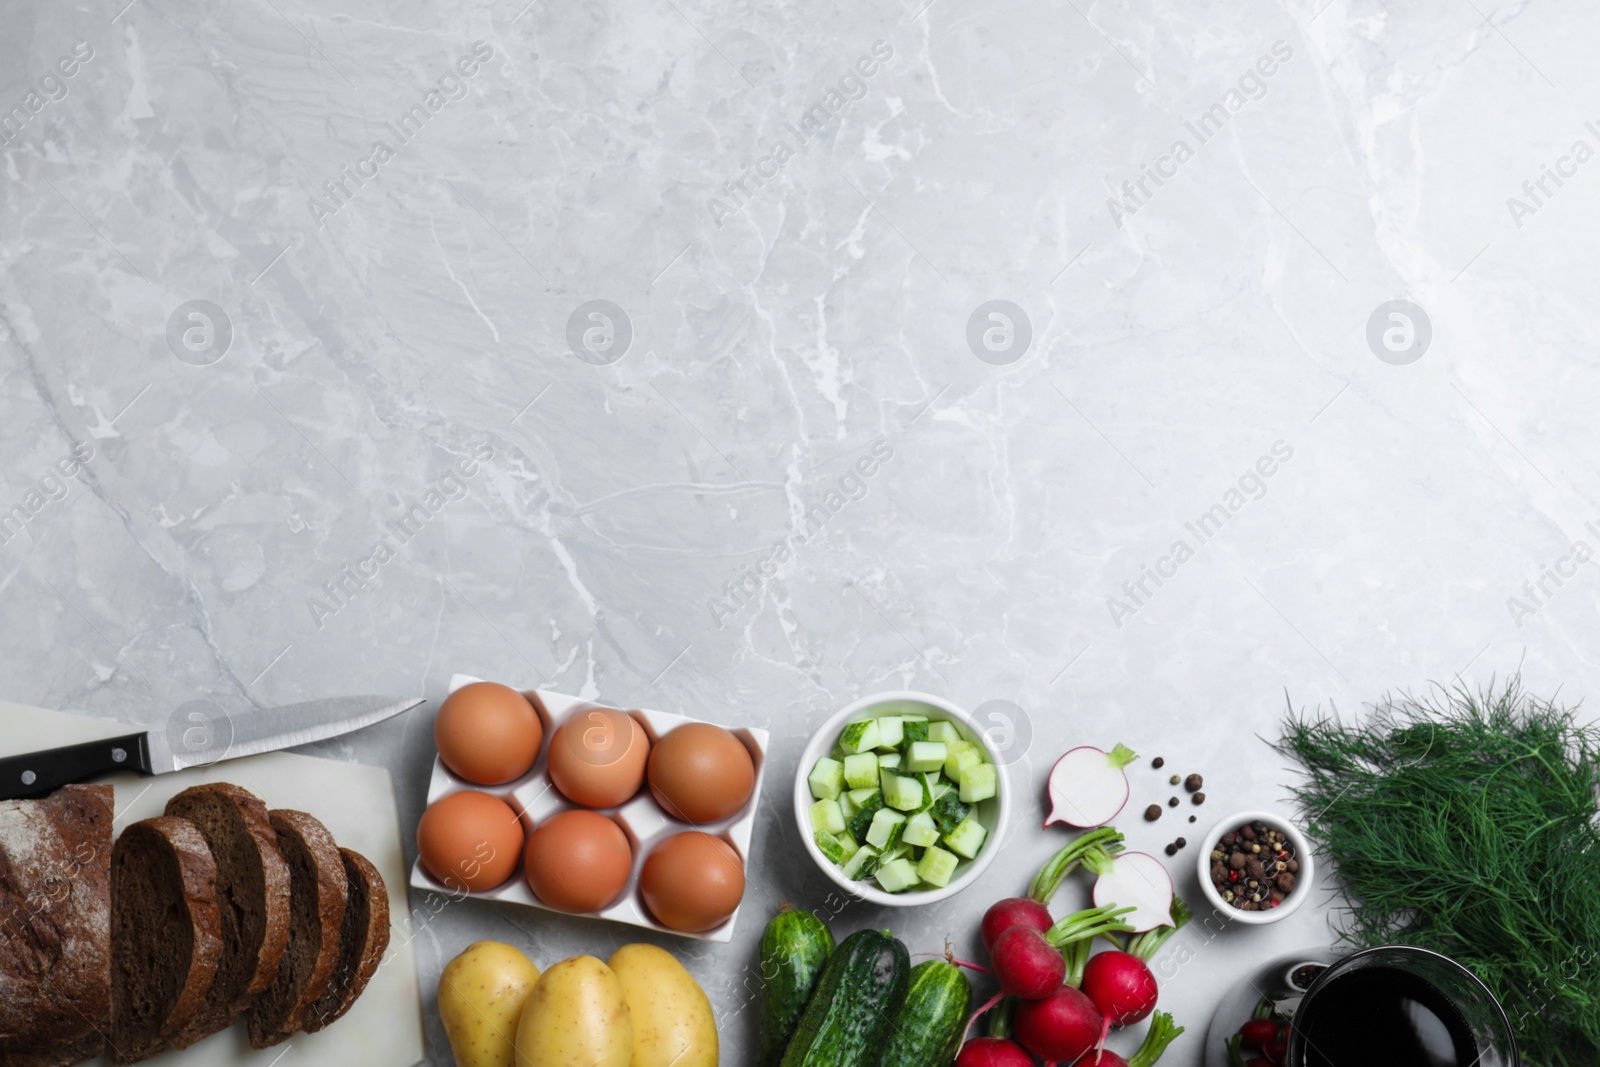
(470, 840)
(701, 773)
(597, 757)
(578, 861)
(488, 733)
(692, 882)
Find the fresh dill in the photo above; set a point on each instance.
(1466, 823)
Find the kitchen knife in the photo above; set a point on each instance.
(198, 734)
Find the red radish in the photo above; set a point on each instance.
(1276, 1049)
(993, 1052)
(1013, 911)
(1026, 964)
(1135, 880)
(1120, 983)
(1121, 986)
(1257, 1032)
(1161, 1034)
(1088, 787)
(1059, 1028)
(1258, 1061)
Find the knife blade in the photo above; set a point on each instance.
(197, 734)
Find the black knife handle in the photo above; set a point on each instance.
(35, 774)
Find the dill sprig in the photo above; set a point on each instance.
(1466, 823)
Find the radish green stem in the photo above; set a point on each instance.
(1105, 840)
(1121, 755)
(1000, 1018)
(1077, 956)
(1144, 946)
(1162, 1033)
(1235, 1057)
(1087, 925)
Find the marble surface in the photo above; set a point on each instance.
(303, 388)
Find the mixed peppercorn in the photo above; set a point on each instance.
(1254, 866)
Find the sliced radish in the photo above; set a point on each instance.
(1088, 787)
(1134, 880)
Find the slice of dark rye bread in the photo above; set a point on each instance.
(55, 927)
(252, 897)
(363, 939)
(166, 933)
(319, 894)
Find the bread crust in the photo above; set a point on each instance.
(55, 927)
(358, 961)
(252, 818)
(279, 1012)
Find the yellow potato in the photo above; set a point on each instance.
(672, 1021)
(576, 1017)
(481, 994)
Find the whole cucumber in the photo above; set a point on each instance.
(928, 1028)
(850, 1011)
(794, 948)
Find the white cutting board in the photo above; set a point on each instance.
(357, 805)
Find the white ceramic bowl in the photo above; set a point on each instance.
(992, 814)
(1304, 878)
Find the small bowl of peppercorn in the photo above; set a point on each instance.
(1256, 868)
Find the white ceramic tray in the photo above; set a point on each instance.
(535, 798)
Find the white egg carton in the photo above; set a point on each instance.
(535, 798)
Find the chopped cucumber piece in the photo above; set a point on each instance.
(920, 831)
(899, 851)
(925, 756)
(948, 812)
(889, 731)
(847, 807)
(826, 779)
(837, 849)
(902, 794)
(979, 783)
(898, 876)
(890, 760)
(936, 867)
(862, 862)
(858, 797)
(965, 839)
(913, 718)
(913, 731)
(960, 756)
(945, 731)
(930, 782)
(859, 737)
(865, 810)
(861, 770)
(826, 815)
(884, 833)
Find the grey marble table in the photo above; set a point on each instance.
(1203, 357)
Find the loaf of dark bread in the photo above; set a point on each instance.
(252, 896)
(363, 939)
(318, 892)
(55, 927)
(166, 934)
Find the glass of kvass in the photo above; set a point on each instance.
(1399, 1006)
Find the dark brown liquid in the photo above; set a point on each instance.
(1383, 1017)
